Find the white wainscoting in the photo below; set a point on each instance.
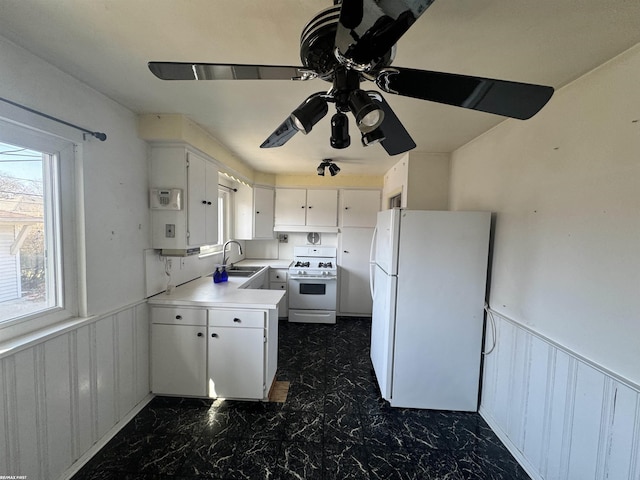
(61, 396)
(560, 415)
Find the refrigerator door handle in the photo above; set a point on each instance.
(372, 262)
(372, 250)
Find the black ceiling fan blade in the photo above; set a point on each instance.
(368, 29)
(281, 135)
(397, 139)
(501, 97)
(223, 71)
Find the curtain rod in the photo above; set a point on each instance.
(230, 188)
(99, 135)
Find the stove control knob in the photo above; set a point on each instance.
(300, 272)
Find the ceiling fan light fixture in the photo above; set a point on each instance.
(309, 113)
(372, 137)
(369, 114)
(327, 163)
(340, 131)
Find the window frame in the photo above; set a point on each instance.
(66, 239)
(225, 219)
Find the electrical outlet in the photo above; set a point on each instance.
(283, 238)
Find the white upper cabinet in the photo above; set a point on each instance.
(254, 213)
(298, 209)
(359, 208)
(263, 208)
(291, 206)
(322, 208)
(202, 185)
(196, 222)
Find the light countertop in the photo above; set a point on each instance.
(202, 292)
(252, 262)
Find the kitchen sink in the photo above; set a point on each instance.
(241, 271)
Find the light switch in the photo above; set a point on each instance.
(170, 230)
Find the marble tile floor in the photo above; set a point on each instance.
(333, 425)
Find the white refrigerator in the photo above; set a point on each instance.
(428, 279)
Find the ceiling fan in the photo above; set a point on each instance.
(354, 41)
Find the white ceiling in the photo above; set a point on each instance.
(107, 43)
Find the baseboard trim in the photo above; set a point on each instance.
(89, 454)
(517, 454)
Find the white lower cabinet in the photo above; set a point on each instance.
(241, 361)
(178, 351)
(227, 353)
(278, 281)
(236, 362)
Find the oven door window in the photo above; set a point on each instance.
(313, 289)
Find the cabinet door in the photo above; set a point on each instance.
(359, 208)
(236, 362)
(179, 360)
(196, 200)
(202, 179)
(243, 204)
(263, 212)
(291, 206)
(353, 257)
(322, 208)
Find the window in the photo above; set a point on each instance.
(37, 262)
(224, 215)
(225, 222)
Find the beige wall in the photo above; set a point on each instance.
(565, 189)
(178, 128)
(422, 179)
(327, 181)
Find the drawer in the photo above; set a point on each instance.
(277, 286)
(277, 275)
(179, 316)
(237, 318)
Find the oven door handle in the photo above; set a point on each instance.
(309, 277)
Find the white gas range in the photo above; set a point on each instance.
(312, 288)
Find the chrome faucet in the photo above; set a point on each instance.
(224, 249)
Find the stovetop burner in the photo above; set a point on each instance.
(314, 260)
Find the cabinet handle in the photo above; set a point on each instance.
(208, 203)
(346, 251)
(302, 206)
(199, 334)
(346, 208)
(214, 335)
(204, 202)
(257, 212)
(237, 320)
(178, 317)
(310, 206)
